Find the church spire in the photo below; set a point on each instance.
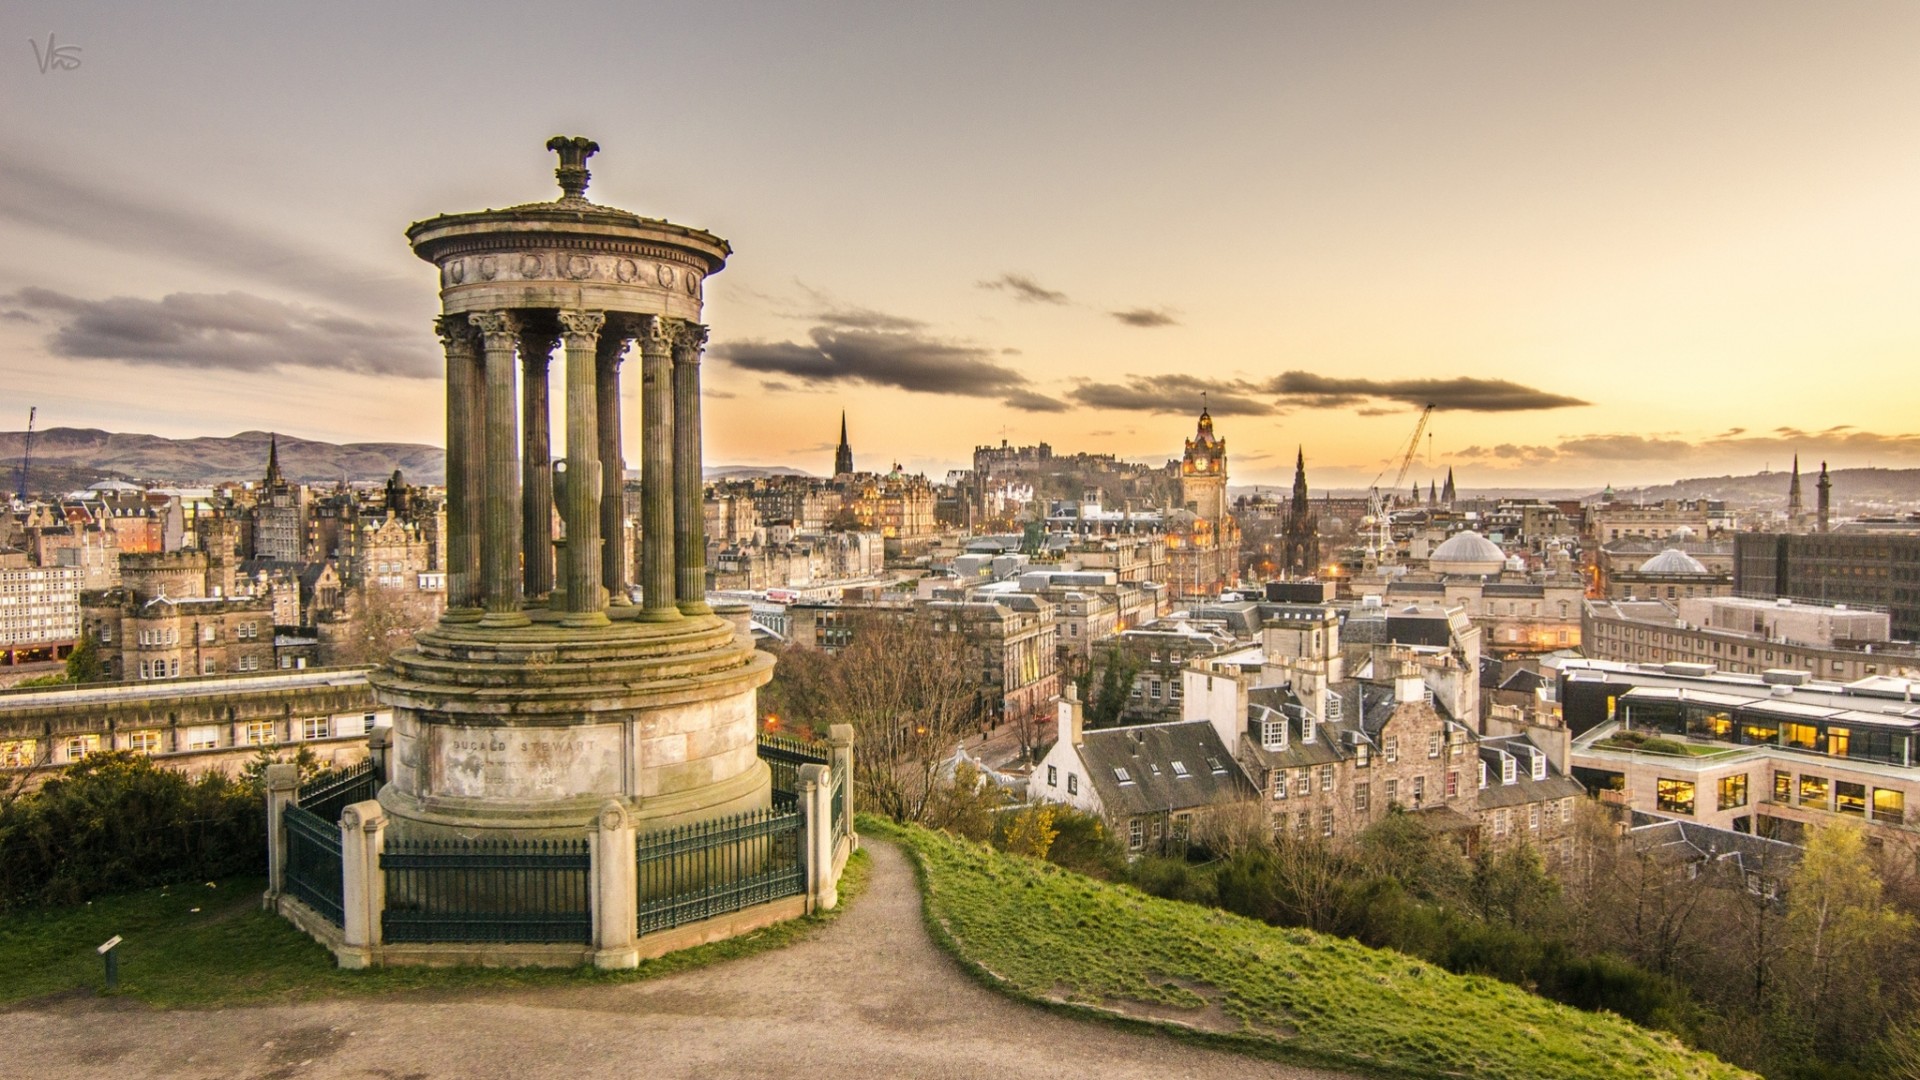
(843, 454)
(273, 460)
(1447, 492)
(1796, 505)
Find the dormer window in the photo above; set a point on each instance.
(1273, 731)
(1539, 765)
(1506, 767)
(1309, 728)
(1483, 774)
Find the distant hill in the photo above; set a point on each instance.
(68, 458)
(1854, 490)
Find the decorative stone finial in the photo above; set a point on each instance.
(572, 173)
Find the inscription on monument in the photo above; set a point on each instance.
(527, 763)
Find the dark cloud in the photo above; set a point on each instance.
(1011, 351)
(233, 331)
(902, 360)
(16, 315)
(1174, 394)
(1376, 410)
(865, 319)
(1029, 401)
(1453, 395)
(1623, 448)
(1024, 289)
(75, 205)
(1145, 318)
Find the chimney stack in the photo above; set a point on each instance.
(1073, 720)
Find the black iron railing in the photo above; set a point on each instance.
(326, 796)
(695, 872)
(842, 817)
(487, 891)
(313, 861)
(784, 756)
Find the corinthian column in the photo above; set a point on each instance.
(689, 487)
(500, 502)
(613, 467)
(656, 468)
(536, 460)
(581, 331)
(465, 449)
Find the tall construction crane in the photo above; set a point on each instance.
(26, 452)
(1380, 503)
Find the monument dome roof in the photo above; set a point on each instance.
(1467, 553)
(1673, 561)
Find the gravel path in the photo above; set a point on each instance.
(868, 996)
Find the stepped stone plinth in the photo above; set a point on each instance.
(553, 684)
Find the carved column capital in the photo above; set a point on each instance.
(456, 337)
(581, 328)
(657, 334)
(497, 329)
(688, 343)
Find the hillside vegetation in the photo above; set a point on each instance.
(1058, 938)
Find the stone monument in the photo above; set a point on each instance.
(551, 685)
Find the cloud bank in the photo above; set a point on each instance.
(233, 331)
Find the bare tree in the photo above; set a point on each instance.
(910, 692)
(379, 623)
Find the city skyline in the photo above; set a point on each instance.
(1570, 230)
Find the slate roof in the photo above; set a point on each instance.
(1524, 789)
(1146, 754)
(1690, 841)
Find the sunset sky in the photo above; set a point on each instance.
(1614, 242)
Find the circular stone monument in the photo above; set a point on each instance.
(552, 685)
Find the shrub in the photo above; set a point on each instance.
(117, 822)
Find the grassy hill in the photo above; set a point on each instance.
(1070, 942)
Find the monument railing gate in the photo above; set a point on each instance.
(506, 891)
(326, 796)
(313, 866)
(784, 755)
(689, 873)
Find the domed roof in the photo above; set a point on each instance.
(1673, 561)
(1467, 553)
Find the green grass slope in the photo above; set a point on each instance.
(200, 946)
(1065, 940)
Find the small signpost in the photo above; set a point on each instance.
(113, 960)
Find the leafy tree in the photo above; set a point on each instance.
(1510, 886)
(83, 663)
(1030, 831)
(968, 806)
(1844, 936)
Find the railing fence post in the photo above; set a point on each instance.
(363, 885)
(613, 875)
(816, 797)
(840, 737)
(283, 787)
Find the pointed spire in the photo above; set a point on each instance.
(843, 454)
(273, 459)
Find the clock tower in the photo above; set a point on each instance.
(1203, 473)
